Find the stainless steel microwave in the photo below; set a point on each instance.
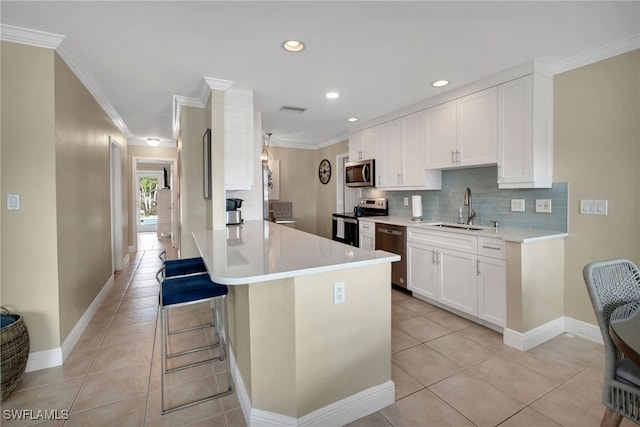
(360, 174)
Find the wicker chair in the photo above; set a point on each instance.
(611, 284)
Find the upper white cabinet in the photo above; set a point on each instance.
(238, 139)
(401, 162)
(525, 132)
(363, 145)
(463, 132)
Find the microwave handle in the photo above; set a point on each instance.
(365, 172)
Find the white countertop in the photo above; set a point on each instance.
(259, 251)
(509, 234)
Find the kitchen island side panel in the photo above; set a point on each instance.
(344, 348)
(298, 352)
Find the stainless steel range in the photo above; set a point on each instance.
(345, 225)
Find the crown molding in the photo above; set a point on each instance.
(54, 41)
(70, 57)
(178, 103)
(217, 84)
(30, 37)
(598, 54)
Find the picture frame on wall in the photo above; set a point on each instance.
(206, 158)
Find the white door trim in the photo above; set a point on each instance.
(117, 238)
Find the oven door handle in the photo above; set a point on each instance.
(346, 220)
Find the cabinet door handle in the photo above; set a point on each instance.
(457, 156)
(478, 267)
(453, 156)
(491, 247)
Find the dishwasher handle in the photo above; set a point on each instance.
(387, 231)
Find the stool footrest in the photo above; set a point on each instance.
(194, 328)
(194, 350)
(196, 402)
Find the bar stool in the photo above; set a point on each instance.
(186, 290)
(183, 266)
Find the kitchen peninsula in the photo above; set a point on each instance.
(298, 357)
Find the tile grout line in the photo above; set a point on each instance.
(93, 359)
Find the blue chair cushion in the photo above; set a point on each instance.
(178, 290)
(628, 372)
(180, 267)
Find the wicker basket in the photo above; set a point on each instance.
(14, 352)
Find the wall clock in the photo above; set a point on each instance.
(324, 171)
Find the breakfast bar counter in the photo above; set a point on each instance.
(299, 356)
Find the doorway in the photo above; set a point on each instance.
(346, 197)
(148, 183)
(149, 176)
(117, 238)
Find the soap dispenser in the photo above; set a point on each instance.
(460, 218)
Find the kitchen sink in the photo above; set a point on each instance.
(456, 226)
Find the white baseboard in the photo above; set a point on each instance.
(336, 414)
(55, 357)
(536, 336)
(125, 260)
(583, 329)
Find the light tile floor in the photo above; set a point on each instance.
(448, 371)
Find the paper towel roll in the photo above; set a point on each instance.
(416, 206)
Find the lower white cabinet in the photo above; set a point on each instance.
(492, 290)
(461, 271)
(367, 235)
(458, 284)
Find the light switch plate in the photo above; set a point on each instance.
(13, 202)
(594, 207)
(517, 205)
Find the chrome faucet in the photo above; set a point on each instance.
(467, 202)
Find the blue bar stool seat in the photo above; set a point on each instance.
(182, 266)
(185, 290)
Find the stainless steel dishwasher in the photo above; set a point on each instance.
(393, 238)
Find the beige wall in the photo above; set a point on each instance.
(29, 236)
(597, 151)
(83, 196)
(298, 176)
(192, 204)
(56, 251)
(326, 194)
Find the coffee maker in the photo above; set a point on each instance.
(233, 214)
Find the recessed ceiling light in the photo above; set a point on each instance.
(440, 83)
(352, 119)
(293, 45)
(154, 142)
(332, 95)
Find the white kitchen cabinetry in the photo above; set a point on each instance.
(163, 209)
(461, 271)
(367, 235)
(401, 162)
(363, 145)
(492, 281)
(463, 132)
(525, 132)
(238, 139)
(423, 273)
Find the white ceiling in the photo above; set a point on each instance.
(380, 56)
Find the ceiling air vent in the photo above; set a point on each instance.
(289, 109)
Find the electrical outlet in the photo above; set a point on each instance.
(406, 201)
(543, 205)
(338, 293)
(517, 205)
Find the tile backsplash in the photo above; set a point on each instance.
(489, 202)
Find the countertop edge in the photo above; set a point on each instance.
(508, 234)
(386, 257)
